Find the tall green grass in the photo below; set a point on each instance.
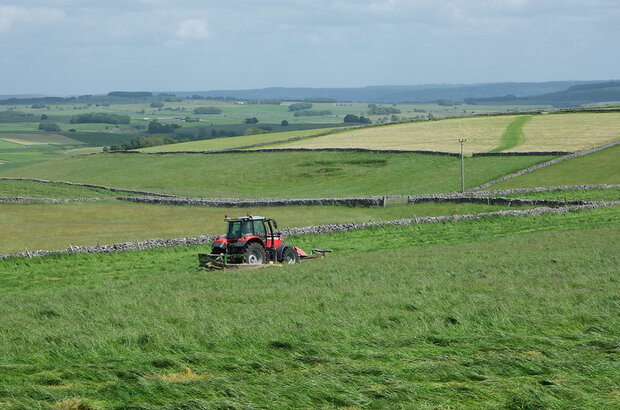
(512, 319)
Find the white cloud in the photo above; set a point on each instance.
(10, 16)
(192, 29)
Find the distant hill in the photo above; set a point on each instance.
(397, 94)
(574, 96)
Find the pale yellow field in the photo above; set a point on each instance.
(39, 139)
(482, 134)
(233, 142)
(552, 132)
(570, 132)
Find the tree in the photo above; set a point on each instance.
(284, 123)
(300, 106)
(157, 127)
(49, 126)
(252, 120)
(44, 116)
(207, 110)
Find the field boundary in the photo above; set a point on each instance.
(488, 200)
(483, 197)
(244, 151)
(545, 164)
(308, 230)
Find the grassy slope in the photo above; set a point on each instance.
(56, 226)
(505, 320)
(601, 167)
(233, 142)
(557, 132)
(278, 174)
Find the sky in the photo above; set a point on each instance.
(74, 47)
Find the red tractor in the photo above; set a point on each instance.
(250, 240)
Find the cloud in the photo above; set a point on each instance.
(10, 16)
(192, 29)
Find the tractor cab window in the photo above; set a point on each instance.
(234, 230)
(246, 228)
(259, 228)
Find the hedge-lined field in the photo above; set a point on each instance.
(501, 312)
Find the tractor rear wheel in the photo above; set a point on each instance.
(290, 256)
(254, 254)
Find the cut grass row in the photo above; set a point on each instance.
(277, 174)
(56, 226)
(498, 313)
(553, 132)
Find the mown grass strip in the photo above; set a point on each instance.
(513, 136)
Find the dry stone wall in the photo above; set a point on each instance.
(235, 202)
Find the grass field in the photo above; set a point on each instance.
(554, 132)
(277, 174)
(602, 167)
(497, 313)
(233, 142)
(56, 226)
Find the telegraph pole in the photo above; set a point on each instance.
(462, 141)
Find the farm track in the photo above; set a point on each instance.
(318, 229)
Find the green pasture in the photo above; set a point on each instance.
(601, 167)
(277, 174)
(56, 226)
(17, 157)
(502, 312)
(6, 145)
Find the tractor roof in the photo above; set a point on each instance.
(246, 218)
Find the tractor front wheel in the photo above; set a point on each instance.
(290, 256)
(254, 254)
